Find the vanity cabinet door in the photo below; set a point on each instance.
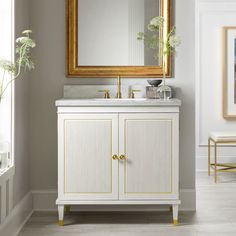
(87, 143)
(149, 143)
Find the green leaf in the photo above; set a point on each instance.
(24, 45)
(7, 66)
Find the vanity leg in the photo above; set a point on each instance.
(175, 214)
(61, 209)
(171, 209)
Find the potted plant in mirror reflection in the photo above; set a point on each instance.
(24, 44)
(162, 47)
(9, 72)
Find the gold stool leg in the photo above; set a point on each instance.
(215, 173)
(209, 157)
(171, 209)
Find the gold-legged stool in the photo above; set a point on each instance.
(220, 138)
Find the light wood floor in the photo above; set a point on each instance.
(216, 215)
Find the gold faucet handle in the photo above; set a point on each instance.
(106, 93)
(132, 93)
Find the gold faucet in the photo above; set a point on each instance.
(119, 95)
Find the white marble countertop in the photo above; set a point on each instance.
(96, 102)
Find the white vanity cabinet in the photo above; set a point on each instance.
(118, 154)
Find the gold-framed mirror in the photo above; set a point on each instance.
(102, 38)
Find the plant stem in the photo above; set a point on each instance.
(3, 76)
(164, 74)
(1, 85)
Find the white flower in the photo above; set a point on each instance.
(157, 21)
(174, 41)
(26, 40)
(22, 39)
(27, 32)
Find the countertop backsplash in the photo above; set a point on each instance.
(92, 91)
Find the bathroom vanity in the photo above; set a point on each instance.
(118, 152)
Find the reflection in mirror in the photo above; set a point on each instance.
(107, 32)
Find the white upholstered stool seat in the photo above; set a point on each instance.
(223, 136)
(220, 138)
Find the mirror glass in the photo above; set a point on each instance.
(107, 32)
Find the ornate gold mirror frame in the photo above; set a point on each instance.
(75, 70)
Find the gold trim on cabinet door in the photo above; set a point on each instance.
(65, 157)
(75, 70)
(125, 139)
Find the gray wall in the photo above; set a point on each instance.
(47, 20)
(185, 81)
(21, 178)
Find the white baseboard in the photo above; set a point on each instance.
(202, 161)
(188, 199)
(44, 200)
(19, 215)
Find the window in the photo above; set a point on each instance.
(6, 104)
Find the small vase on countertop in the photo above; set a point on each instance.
(152, 90)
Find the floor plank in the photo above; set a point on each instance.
(216, 215)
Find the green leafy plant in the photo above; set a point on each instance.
(24, 44)
(161, 46)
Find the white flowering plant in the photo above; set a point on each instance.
(167, 46)
(162, 46)
(24, 44)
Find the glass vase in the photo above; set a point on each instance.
(165, 92)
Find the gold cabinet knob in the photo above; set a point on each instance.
(115, 157)
(122, 157)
